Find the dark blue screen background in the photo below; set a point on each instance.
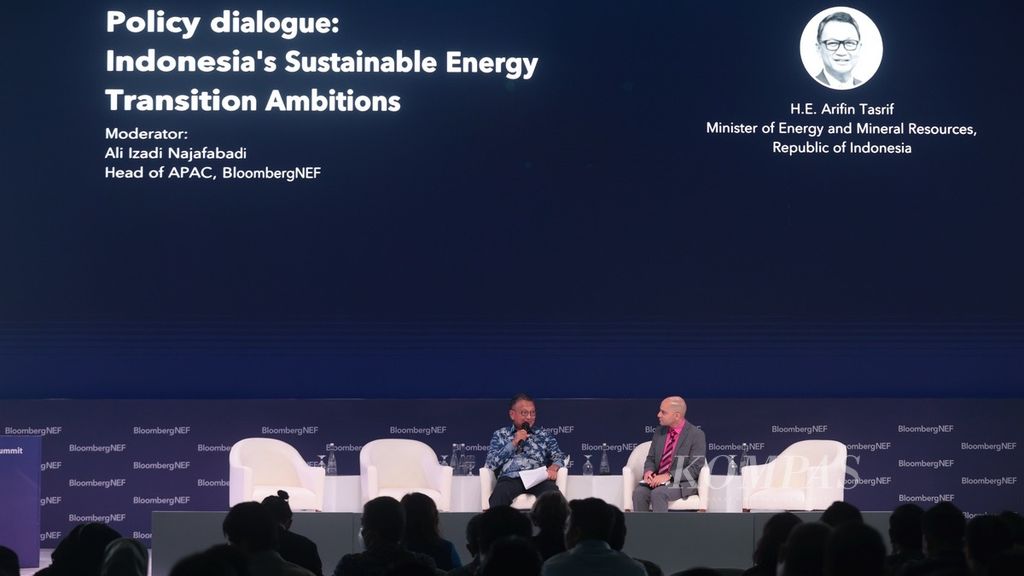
(576, 234)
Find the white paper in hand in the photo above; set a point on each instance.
(533, 477)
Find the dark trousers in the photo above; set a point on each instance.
(506, 490)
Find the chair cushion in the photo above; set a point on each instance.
(777, 499)
(299, 498)
(688, 503)
(397, 493)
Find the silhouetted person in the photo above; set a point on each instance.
(423, 531)
(591, 522)
(250, 528)
(549, 514)
(80, 553)
(125, 557)
(854, 549)
(499, 522)
(512, 556)
(383, 523)
(9, 564)
(617, 540)
(766, 554)
(473, 545)
(840, 513)
(699, 571)
(803, 554)
(220, 560)
(1015, 522)
(943, 526)
(1008, 563)
(293, 547)
(905, 538)
(986, 537)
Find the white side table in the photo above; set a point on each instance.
(465, 494)
(607, 488)
(341, 494)
(725, 494)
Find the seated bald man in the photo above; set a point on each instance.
(674, 438)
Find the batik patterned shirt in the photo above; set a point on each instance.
(540, 449)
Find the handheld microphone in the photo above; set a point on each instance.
(523, 426)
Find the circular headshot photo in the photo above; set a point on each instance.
(841, 48)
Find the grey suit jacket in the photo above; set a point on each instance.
(691, 443)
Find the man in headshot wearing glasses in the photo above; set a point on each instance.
(520, 447)
(839, 46)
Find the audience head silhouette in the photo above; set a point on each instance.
(421, 519)
(854, 549)
(250, 527)
(383, 521)
(589, 519)
(501, 521)
(776, 531)
(839, 513)
(279, 508)
(512, 556)
(943, 527)
(804, 551)
(125, 557)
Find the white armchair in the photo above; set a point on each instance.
(262, 466)
(396, 466)
(633, 472)
(523, 501)
(808, 475)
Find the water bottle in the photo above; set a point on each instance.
(606, 469)
(733, 469)
(332, 461)
(455, 458)
(462, 459)
(743, 456)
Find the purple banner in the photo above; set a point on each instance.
(116, 461)
(19, 496)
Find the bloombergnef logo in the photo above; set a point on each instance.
(102, 518)
(94, 483)
(868, 446)
(172, 431)
(934, 464)
(852, 482)
(288, 431)
(623, 447)
(44, 431)
(987, 446)
(995, 482)
(418, 430)
(810, 429)
(936, 429)
(751, 446)
(171, 501)
(165, 466)
(98, 448)
(926, 498)
(556, 430)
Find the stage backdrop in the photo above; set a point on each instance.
(116, 461)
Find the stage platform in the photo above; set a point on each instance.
(675, 541)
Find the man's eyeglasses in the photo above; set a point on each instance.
(833, 45)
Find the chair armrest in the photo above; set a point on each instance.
(824, 486)
(487, 481)
(562, 480)
(239, 484)
(313, 479)
(442, 480)
(629, 482)
(752, 475)
(369, 483)
(704, 488)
